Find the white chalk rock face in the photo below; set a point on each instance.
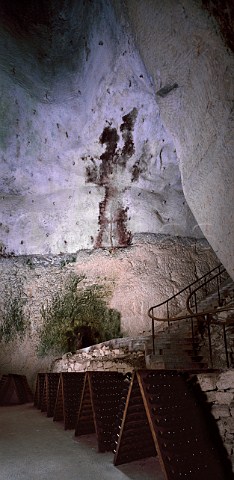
(86, 161)
(192, 70)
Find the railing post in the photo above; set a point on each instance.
(193, 340)
(218, 292)
(190, 291)
(206, 291)
(225, 345)
(168, 315)
(153, 335)
(195, 298)
(209, 337)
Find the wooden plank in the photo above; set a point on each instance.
(85, 418)
(185, 434)
(39, 390)
(134, 440)
(52, 380)
(44, 397)
(72, 392)
(14, 390)
(10, 394)
(27, 390)
(58, 409)
(106, 394)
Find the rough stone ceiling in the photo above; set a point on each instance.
(191, 53)
(86, 159)
(223, 11)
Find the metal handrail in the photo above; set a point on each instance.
(208, 277)
(207, 316)
(188, 287)
(193, 293)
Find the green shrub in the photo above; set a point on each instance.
(74, 312)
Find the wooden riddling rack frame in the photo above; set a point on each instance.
(158, 412)
(69, 392)
(14, 389)
(100, 404)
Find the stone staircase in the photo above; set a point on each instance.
(215, 299)
(175, 348)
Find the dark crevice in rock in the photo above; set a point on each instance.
(102, 219)
(109, 158)
(127, 128)
(223, 11)
(163, 92)
(124, 236)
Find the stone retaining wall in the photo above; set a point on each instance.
(219, 389)
(121, 355)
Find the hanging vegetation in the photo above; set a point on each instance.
(77, 317)
(14, 321)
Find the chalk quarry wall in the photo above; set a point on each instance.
(85, 159)
(91, 154)
(192, 72)
(137, 277)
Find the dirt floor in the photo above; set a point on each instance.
(33, 447)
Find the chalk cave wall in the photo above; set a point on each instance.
(91, 177)
(195, 42)
(153, 268)
(86, 160)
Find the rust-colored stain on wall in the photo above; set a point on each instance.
(112, 219)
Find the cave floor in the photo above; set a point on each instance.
(33, 447)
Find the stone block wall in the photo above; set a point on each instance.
(119, 355)
(219, 389)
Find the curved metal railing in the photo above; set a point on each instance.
(192, 296)
(208, 314)
(193, 301)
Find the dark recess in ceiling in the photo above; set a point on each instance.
(24, 17)
(223, 11)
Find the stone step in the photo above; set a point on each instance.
(177, 342)
(152, 362)
(174, 354)
(177, 336)
(226, 290)
(188, 366)
(190, 352)
(175, 347)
